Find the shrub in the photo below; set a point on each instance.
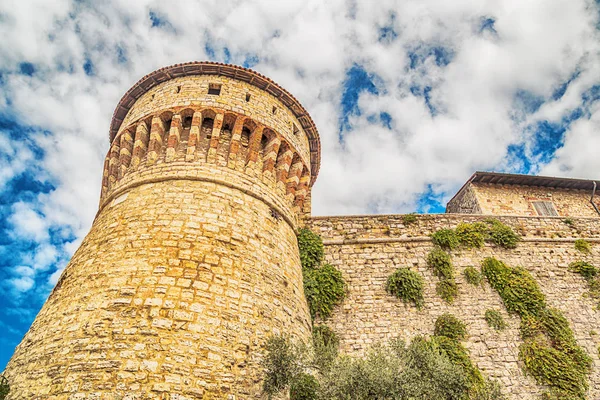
(311, 248)
(549, 351)
(568, 221)
(304, 387)
(406, 285)
(325, 346)
(494, 320)
(421, 370)
(451, 327)
(441, 263)
(4, 387)
(409, 219)
(502, 235)
(490, 390)
(459, 356)
(324, 288)
(447, 289)
(472, 235)
(585, 269)
(434, 369)
(446, 239)
(583, 246)
(473, 276)
(281, 364)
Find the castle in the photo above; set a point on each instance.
(192, 259)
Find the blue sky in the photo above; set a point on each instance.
(409, 100)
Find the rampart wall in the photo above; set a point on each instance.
(367, 249)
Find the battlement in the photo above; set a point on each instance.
(202, 124)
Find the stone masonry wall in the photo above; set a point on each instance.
(193, 91)
(367, 249)
(516, 200)
(192, 261)
(166, 299)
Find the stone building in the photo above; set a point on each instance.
(493, 193)
(192, 260)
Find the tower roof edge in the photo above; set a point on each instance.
(231, 71)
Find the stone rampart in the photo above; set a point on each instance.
(367, 249)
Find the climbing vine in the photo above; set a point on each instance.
(324, 288)
(441, 263)
(324, 285)
(494, 320)
(549, 351)
(311, 248)
(474, 235)
(406, 285)
(472, 276)
(591, 275)
(4, 387)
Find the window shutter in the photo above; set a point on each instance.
(545, 208)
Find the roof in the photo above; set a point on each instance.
(531, 180)
(497, 178)
(231, 71)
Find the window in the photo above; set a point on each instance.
(247, 97)
(274, 109)
(214, 89)
(295, 129)
(545, 208)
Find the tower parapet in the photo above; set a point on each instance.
(192, 260)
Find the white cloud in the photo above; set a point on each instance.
(307, 46)
(23, 280)
(28, 223)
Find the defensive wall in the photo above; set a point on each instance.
(368, 249)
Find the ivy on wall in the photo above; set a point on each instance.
(406, 285)
(494, 320)
(4, 387)
(441, 263)
(591, 274)
(324, 286)
(583, 246)
(474, 235)
(549, 352)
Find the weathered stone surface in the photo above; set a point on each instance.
(367, 249)
(192, 261)
(493, 199)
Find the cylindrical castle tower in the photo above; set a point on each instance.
(192, 260)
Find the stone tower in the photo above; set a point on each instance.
(192, 260)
